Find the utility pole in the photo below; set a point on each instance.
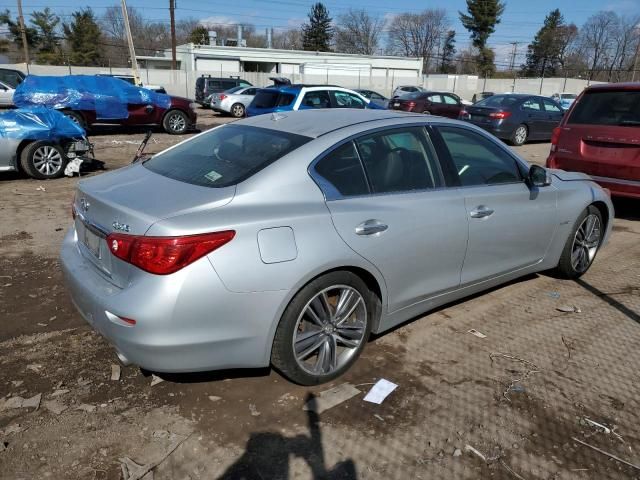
(512, 64)
(23, 33)
(172, 7)
(132, 51)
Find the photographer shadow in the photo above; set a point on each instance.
(267, 455)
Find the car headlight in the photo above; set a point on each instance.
(193, 106)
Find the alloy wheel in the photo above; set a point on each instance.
(237, 111)
(177, 122)
(586, 243)
(47, 160)
(330, 330)
(521, 134)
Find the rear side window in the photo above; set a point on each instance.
(399, 160)
(532, 104)
(621, 108)
(285, 99)
(318, 99)
(227, 84)
(224, 156)
(348, 100)
(341, 172)
(478, 160)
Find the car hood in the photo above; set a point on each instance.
(568, 176)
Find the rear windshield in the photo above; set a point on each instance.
(224, 156)
(620, 108)
(234, 89)
(415, 95)
(498, 101)
(271, 99)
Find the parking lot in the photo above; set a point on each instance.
(551, 377)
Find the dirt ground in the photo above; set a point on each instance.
(520, 397)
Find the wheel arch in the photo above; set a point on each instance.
(604, 211)
(21, 146)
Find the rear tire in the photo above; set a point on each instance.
(237, 110)
(519, 135)
(43, 160)
(75, 117)
(426, 112)
(324, 328)
(175, 122)
(582, 245)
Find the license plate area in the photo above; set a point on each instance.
(92, 242)
(397, 104)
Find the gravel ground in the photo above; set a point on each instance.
(520, 396)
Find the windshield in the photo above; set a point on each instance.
(607, 108)
(499, 101)
(224, 156)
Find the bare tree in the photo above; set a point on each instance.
(627, 40)
(290, 39)
(358, 32)
(417, 34)
(597, 36)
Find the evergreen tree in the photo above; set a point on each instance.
(317, 34)
(544, 52)
(199, 35)
(46, 23)
(14, 31)
(481, 20)
(448, 53)
(83, 37)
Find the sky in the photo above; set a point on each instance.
(521, 20)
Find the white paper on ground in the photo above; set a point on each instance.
(380, 391)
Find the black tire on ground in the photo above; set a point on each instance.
(517, 138)
(75, 117)
(237, 110)
(175, 122)
(282, 353)
(426, 112)
(43, 160)
(566, 268)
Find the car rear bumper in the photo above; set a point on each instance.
(496, 128)
(187, 321)
(619, 187)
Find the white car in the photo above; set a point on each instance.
(233, 101)
(6, 95)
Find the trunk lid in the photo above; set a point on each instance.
(130, 200)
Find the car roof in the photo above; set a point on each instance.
(317, 122)
(615, 86)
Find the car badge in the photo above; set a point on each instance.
(84, 204)
(121, 227)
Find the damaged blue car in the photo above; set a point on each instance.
(40, 142)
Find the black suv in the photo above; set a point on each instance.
(11, 77)
(206, 86)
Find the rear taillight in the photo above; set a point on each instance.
(499, 115)
(555, 137)
(165, 255)
(222, 96)
(464, 114)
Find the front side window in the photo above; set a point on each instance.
(224, 156)
(478, 160)
(341, 173)
(449, 100)
(319, 99)
(550, 106)
(399, 160)
(348, 100)
(532, 104)
(435, 98)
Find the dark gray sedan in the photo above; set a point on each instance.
(516, 118)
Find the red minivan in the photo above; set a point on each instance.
(600, 136)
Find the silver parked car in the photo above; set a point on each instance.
(233, 101)
(287, 239)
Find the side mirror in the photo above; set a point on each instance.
(538, 176)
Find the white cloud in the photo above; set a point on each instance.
(216, 20)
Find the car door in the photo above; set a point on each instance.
(554, 114)
(386, 197)
(246, 95)
(435, 104)
(534, 117)
(510, 224)
(452, 106)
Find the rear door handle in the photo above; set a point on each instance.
(481, 211)
(371, 227)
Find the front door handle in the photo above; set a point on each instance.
(371, 227)
(481, 211)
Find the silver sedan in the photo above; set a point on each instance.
(233, 101)
(287, 239)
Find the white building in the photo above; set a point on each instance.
(223, 61)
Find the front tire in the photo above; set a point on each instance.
(519, 135)
(582, 245)
(43, 160)
(324, 329)
(237, 110)
(175, 122)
